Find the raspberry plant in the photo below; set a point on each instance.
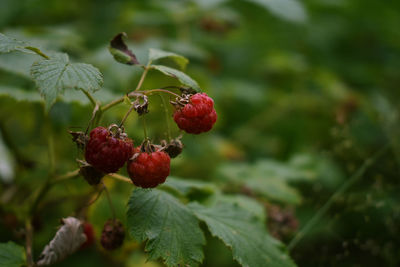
(166, 217)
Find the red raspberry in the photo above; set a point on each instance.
(198, 115)
(89, 232)
(148, 170)
(107, 152)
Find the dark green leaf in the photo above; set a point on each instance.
(172, 231)
(12, 255)
(182, 77)
(239, 230)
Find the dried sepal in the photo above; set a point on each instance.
(120, 50)
(90, 174)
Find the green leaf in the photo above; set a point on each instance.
(20, 94)
(187, 186)
(172, 231)
(7, 163)
(56, 74)
(247, 203)
(9, 44)
(182, 77)
(291, 10)
(155, 54)
(274, 189)
(268, 180)
(239, 230)
(17, 63)
(12, 255)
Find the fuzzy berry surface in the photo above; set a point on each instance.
(148, 170)
(106, 152)
(197, 116)
(89, 233)
(113, 234)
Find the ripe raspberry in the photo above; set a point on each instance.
(106, 151)
(89, 232)
(113, 234)
(149, 169)
(198, 115)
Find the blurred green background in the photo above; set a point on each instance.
(305, 91)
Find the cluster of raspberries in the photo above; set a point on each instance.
(107, 151)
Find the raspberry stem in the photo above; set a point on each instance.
(160, 90)
(90, 97)
(166, 117)
(144, 127)
(119, 177)
(146, 69)
(95, 110)
(28, 240)
(126, 115)
(109, 201)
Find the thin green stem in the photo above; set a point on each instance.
(95, 111)
(159, 90)
(322, 211)
(133, 94)
(126, 115)
(96, 198)
(90, 97)
(109, 201)
(119, 177)
(28, 242)
(166, 117)
(146, 69)
(144, 127)
(64, 177)
(37, 51)
(51, 153)
(112, 104)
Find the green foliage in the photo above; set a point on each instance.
(9, 44)
(267, 178)
(155, 54)
(244, 234)
(291, 10)
(182, 77)
(20, 94)
(172, 231)
(54, 75)
(12, 255)
(185, 187)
